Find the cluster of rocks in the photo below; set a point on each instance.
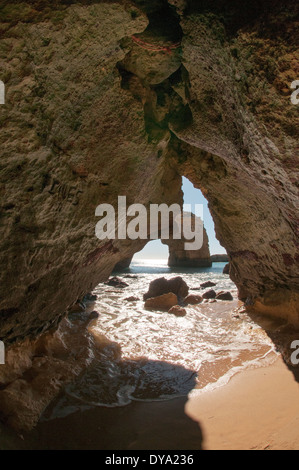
(173, 295)
(162, 286)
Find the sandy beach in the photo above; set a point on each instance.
(170, 405)
(257, 410)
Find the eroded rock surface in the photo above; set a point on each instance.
(35, 371)
(91, 115)
(226, 269)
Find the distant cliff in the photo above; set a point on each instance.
(180, 257)
(219, 258)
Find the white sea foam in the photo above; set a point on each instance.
(209, 341)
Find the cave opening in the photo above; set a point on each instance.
(192, 196)
(194, 201)
(204, 105)
(164, 22)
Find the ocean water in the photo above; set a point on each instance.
(152, 355)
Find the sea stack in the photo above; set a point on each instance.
(180, 257)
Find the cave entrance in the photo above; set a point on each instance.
(153, 251)
(194, 196)
(157, 252)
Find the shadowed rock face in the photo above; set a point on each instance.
(241, 146)
(71, 139)
(91, 115)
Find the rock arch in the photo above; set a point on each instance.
(178, 255)
(85, 130)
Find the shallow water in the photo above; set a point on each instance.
(146, 356)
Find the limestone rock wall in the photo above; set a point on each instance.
(241, 147)
(71, 138)
(91, 115)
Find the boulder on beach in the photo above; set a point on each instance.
(178, 311)
(193, 299)
(162, 302)
(208, 284)
(224, 296)
(132, 299)
(93, 315)
(210, 294)
(162, 286)
(116, 282)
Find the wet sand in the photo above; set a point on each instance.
(138, 426)
(258, 409)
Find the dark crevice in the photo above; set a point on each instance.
(126, 77)
(164, 108)
(236, 15)
(164, 22)
(7, 313)
(166, 111)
